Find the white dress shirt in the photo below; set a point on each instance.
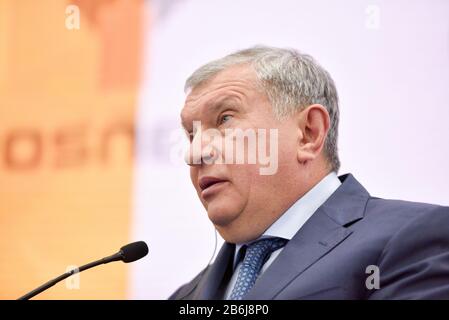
(290, 222)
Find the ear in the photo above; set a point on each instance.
(313, 124)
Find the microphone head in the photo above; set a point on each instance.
(134, 251)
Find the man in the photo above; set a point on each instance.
(300, 232)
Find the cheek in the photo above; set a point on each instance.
(287, 147)
(255, 187)
(244, 178)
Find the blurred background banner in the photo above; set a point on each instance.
(68, 98)
(90, 94)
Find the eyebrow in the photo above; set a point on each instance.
(215, 105)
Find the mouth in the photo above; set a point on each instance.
(209, 185)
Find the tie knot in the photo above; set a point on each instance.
(255, 256)
(261, 249)
(267, 245)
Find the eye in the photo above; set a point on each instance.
(224, 118)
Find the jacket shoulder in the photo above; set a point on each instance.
(414, 263)
(400, 210)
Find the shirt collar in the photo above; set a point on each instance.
(296, 216)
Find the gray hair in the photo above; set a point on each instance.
(291, 80)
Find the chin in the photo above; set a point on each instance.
(234, 234)
(222, 214)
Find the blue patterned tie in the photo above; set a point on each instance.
(256, 255)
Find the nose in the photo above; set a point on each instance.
(202, 149)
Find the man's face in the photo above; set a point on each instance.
(240, 201)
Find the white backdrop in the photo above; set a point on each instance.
(389, 59)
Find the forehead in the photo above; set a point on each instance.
(237, 82)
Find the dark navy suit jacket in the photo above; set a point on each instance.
(328, 257)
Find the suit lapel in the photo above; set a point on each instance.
(208, 286)
(325, 230)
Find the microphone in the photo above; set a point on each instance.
(129, 253)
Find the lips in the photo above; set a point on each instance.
(207, 182)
